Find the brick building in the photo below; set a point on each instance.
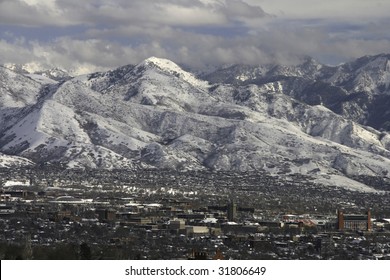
(354, 222)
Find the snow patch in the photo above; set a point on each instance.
(173, 69)
(344, 182)
(11, 183)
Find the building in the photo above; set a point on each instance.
(382, 224)
(5, 197)
(106, 214)
(354, 222)
(177, 225)
(195, 231)
(6, 209)
(21, 194)
(232, 211)
(198, 255)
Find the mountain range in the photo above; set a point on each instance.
(327, 122)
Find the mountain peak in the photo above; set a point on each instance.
(157, 115)
(56, 74)
(161, 63)
(169, 67)
(17, 68)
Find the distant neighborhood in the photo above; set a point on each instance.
(54, 213)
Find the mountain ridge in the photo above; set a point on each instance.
(156, 115)
(358, 90)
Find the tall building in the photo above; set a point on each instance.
(232, 211)
(354, 222)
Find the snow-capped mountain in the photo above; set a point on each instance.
(55, 74)
(156, 115)
(358, 90)
(37, 71)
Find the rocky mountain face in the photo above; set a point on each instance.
(308, 119)
(358, 90)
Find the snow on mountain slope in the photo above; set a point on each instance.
(173, 69)
(369, 74)
(41, 79)
(357, 90)
(17, 90)
(18, 94)
(54, 74)
(157, 115)
(154, 82)
(13, 161)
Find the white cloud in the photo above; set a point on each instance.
(101, 34)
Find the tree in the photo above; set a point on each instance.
(85, 251)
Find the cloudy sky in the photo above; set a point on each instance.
(93, 35)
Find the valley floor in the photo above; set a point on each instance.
(54, 213)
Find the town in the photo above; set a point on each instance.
(55, 213)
